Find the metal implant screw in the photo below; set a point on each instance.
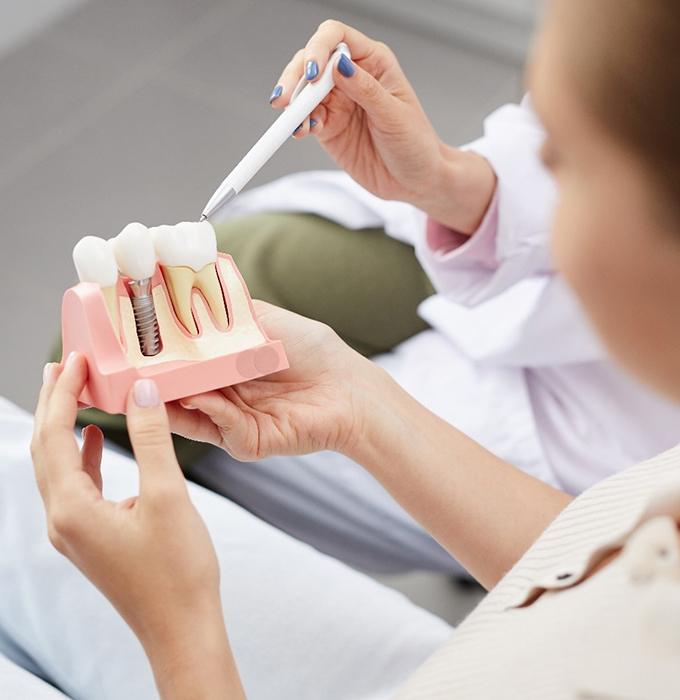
(146, 320)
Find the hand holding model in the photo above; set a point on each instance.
(317, 404)
(374, 127)
(150, 555)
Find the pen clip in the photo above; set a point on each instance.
(340, 49)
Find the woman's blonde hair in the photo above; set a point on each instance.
(635, 88)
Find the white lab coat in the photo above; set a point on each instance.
(511, 358)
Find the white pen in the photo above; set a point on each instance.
(305, 98)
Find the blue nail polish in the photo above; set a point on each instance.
(311, 70)
(345, 66)
(313, 122)
(276, 92)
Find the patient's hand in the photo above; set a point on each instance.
(317, 404)
(373, 125)
(150, 555)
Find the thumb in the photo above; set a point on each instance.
(149, 430)
(361, 87)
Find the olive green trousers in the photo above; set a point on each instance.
(364, 284)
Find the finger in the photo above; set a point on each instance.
(192, 424)
(318, 119)
(302, 130)
(287, 82)
(50, 373)
(229, 419)
(60, 453)
(361, 87)
(91, 454)
(37, 448)
(322, 43)
(69, 382)
(212, 403)
(149, 430)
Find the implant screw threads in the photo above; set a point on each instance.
(145, 316)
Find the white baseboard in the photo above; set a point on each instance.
(500, 27)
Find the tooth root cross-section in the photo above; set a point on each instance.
(181, 281)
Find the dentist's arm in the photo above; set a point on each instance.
(374, 127)
(483, 510)
(151, 555)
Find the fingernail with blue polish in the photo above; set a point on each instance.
(311, 70)
(345, 66)
(313, 122)
(276, 92)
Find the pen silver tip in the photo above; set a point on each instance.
(203, 217)
(213, 206)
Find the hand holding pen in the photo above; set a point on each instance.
(374, 127)
(351, 93)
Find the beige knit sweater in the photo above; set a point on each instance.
(614, 635)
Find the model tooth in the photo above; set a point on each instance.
(157, 233)
(136, 258)
(208, 283)
(95, 262)
(187, 244)
(180, 284)
(135, 252)
(187, 254)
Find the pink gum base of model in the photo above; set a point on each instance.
(87, 329)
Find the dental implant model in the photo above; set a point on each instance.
(162, 303)
(134, 251)
(95, 262)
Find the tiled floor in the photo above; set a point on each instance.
(135, 109)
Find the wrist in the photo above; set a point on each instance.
(379, 422)
(463, 187)
(358, 399)
(190, 655)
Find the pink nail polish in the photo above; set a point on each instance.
(146, 393)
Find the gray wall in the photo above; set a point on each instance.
(21, 19)
(502, 27)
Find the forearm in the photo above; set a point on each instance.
(484, 511)
(464, 185)
(193, 660)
